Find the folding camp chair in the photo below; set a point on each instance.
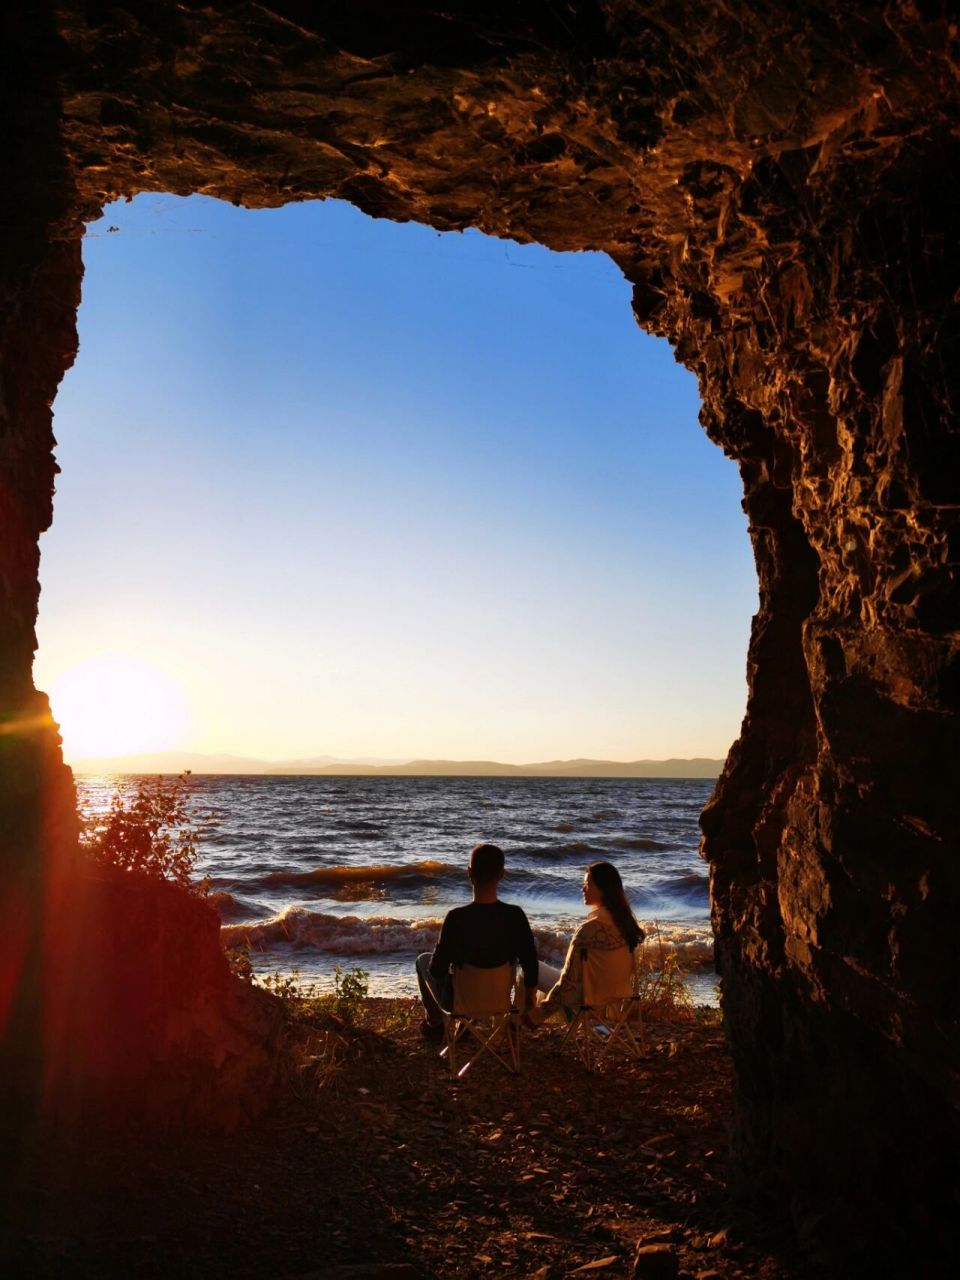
(483, 1011)
(610, 1004)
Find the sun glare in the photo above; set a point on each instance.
(115, 705)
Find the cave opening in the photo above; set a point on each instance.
(444, 476)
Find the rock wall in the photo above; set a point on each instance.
(780, 184)
(39, 291)
(142, 1016)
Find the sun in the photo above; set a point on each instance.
(115, 706)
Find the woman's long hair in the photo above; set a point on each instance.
(606, 877)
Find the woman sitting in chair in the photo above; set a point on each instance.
(610, 926)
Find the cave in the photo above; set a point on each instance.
(780, 184)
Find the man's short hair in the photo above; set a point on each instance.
(486, 863)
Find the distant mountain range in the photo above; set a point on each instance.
(178, 761)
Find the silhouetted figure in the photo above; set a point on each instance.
(486, 933)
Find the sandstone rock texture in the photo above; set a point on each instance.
(780, 182)
(142, 1016)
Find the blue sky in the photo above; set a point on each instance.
(350, 487)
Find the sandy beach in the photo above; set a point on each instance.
(370, 1161)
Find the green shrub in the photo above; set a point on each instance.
(286, 987)
(147, 829)
(307, 1003)
(238, 958)
(350, 987)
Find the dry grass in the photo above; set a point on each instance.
(328, 1030)
(313, 1062)
(664, 993)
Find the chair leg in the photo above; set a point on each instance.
(615, 1017)
(629, 1038)
(616, 1032)
(620, 1027)
(512, 1033)
(579, 1032)
(506, 1030)
(573, 1027)
(495, 1036)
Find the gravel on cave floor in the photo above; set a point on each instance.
(393, 1162)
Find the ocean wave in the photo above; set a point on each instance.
(570, 849)
(346, 882)
(596, 849)
(551, 943)
(412, 872)
(381, 935)
(360, 891)
(636, 842)
(361, 935)
(342, 935)
(229, 907)
(693, 885)
(692, 944)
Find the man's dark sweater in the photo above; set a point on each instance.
(485, 934)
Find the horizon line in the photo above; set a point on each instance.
(223, 763)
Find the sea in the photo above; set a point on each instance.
(317, 871)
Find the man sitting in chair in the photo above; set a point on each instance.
(486, 933)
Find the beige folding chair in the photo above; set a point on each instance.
(483, 1011)
(610, 1004)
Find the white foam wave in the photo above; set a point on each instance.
(382, 935)
(692, 944)
(342, 935)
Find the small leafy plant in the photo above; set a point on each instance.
(238, 958)
(148, 829)
(350, 987)
(306, 1002)
(287, 987)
